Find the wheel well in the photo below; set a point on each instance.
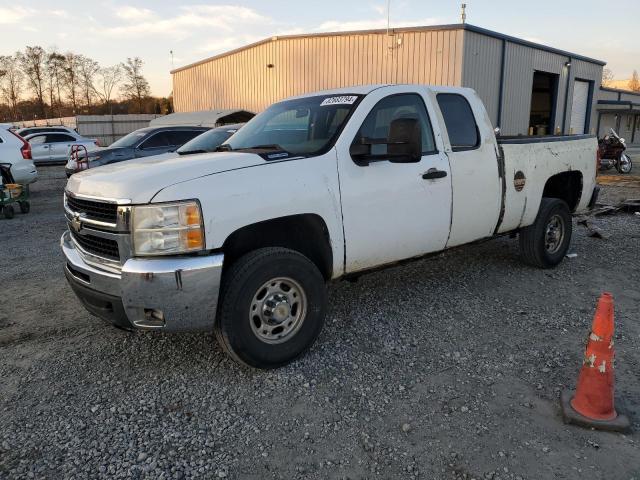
(566, 186)
(306, 233)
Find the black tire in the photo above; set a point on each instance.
(534, 248)
(25, 207)
(8, 212)
(627, 169)
(242, 285)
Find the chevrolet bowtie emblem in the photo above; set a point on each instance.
(76, 222)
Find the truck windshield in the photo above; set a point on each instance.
(301, 127)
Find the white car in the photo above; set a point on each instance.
(16, 151)
(320, 187)
(23, 132)
(54, 147)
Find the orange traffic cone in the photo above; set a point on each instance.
(592, 406)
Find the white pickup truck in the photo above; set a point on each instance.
(315, 188)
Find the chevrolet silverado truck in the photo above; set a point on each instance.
(316, 188)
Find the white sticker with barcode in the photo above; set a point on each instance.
(344, 100)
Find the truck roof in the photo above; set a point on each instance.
(366, 89)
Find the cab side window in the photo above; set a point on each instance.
(37, 140)
(460, 122)
(59, 138)
(158, 140)
(378, 122)
(180, 137)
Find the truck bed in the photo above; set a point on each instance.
(527, 163)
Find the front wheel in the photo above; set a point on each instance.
(545, 243)
(624, 165)
(272, 307)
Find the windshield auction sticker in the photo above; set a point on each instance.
(344, 100)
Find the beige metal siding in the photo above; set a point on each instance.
(593, 73)
(482, 69)
(241, 79)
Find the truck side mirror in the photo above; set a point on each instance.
(405, 141)
(404, 144)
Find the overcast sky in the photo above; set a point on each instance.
(110, 31)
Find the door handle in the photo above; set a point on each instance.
(434, 173)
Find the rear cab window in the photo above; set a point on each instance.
(460, 121)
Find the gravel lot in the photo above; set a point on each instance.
(446, 368)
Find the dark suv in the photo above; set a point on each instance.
(141, 143)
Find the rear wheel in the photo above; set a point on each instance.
(25, 207)
(272, 307)
(8, 211)
(545, 243)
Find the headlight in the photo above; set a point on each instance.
(167, 228)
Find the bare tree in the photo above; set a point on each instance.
(634, 83)
(11, 81)
(108, 78)
(55, 71)
(32, 62)
(71, 78)
(607, 77)
(87, 69)
(136, 87)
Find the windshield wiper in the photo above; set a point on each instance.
(270, 146)
(189, 152)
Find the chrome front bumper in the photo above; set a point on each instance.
(171, 294)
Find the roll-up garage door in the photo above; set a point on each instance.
(579, 107)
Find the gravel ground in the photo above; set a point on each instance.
(447, 368)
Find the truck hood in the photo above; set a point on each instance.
(139, 180)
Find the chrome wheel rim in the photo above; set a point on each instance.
(625, 164)
(278, 310)
(554, 234)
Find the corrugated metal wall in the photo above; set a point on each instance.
(437, 56)
(109, 128)
(482, 67)
(303, 64)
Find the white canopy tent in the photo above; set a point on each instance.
(203, 118)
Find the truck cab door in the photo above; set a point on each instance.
(392, 211)
(471, 148)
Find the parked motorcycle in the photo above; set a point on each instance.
(611, 149)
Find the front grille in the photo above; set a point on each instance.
(102, 247)
(107, 212)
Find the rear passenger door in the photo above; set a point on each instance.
(476, 182)
(39, 148)
(59, 144)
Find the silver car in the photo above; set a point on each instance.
(53, 147)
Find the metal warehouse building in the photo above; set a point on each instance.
(620, 110)
(528, 89)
